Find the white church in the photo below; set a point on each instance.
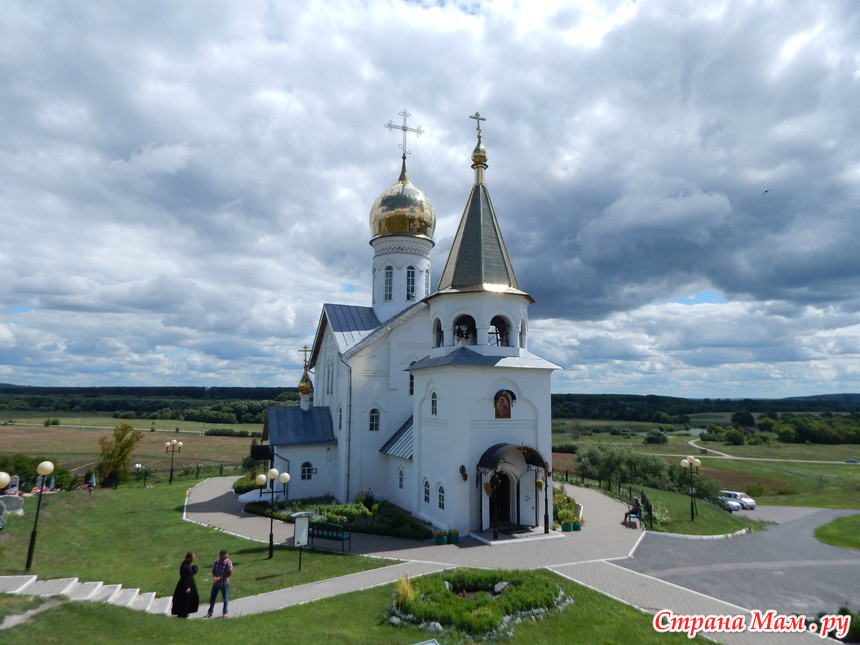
(429, 399)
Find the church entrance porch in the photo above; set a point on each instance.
(514, 492)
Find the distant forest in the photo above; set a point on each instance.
(247, 404)
(204, 404)
(668, 409)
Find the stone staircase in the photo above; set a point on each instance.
(73, 589)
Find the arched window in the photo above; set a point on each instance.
(499, 332)
(438, 334)
(373, 424)
(308, 470)
(340, 418)
(434, 404)
(426, 492)
(410, 283)
(400, 478)
(441, 492)
(503, 401)
(427, 282)
(388, 285)
(465, 332)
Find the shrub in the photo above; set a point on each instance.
(735, 437)
(470, 601)
(756, 490)
(404, 591)
(656, 437)
(570, 448)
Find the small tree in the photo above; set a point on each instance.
(116, 452)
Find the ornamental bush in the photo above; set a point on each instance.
(477, 601)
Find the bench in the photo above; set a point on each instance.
(329, 531)
(631, 519)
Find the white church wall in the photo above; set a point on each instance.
(307, 483)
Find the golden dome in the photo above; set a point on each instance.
(479, 154)
(305, 385)
(402, 210)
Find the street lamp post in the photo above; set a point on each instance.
(691, 462)
(271, 476)
(44, 469)
(173, 446)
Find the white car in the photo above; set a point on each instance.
(743, 499)
(731, 505)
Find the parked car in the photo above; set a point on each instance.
(743, 499)
(725, 503)
(850, 461)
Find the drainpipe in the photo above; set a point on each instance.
(348, 424)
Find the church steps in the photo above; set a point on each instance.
(74, 590)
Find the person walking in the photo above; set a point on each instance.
(222, 569)
(185, 598)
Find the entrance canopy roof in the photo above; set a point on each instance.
(493, 455)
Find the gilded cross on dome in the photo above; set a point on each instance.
(478, 118)
(406, 129)
(305, 351)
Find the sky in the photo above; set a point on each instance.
(184, 184)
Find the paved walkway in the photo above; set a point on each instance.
(591, 557)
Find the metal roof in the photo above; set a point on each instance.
(289, 425)
(479, 260)
(469, 357)
(400, 444)
(493, 455)
(349, 324)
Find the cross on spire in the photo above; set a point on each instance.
(305, 351)
(478, 118)
(418, 131)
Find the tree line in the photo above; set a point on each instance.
(668, 409)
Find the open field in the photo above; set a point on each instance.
(106, 420)
(827, 485)
(78, 449)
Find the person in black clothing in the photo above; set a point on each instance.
(185, 598)
(633, 511)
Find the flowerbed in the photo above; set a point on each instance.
(476, 601)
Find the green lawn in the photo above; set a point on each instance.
(353, 618)
(820, 485)
(137, 537)
(672, 515)
(843, 531)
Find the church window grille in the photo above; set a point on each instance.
(465, 332)
(499, 332)
(400, 479)
(427, 282)
(434, 404)
(388, 285)
(410, 283)
(340, 418)
(308, 470)
(373, 426)
(441, 493)
(426, 492)
(411, 384)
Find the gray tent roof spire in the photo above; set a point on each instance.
(479, 260)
